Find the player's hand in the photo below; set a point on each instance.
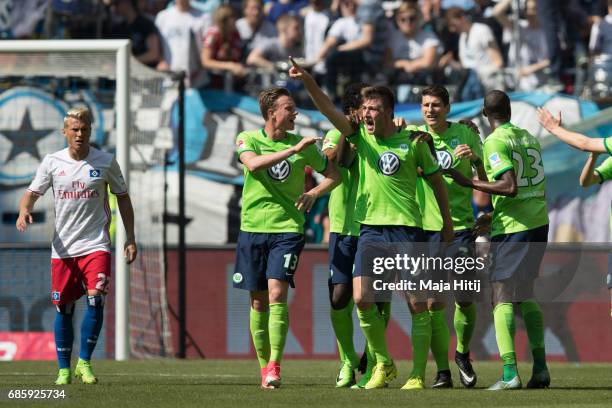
(305, 202)
(464, 151)
(400, 123)
(23, 220)
(296, 71)
(305, 142)
(355, 121)
(130, 251)
(469, 123)
(420, 136)
(458, 177)
(547, 120)
(482, 226)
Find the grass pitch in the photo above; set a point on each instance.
(235, 383)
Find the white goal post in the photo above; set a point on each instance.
(121, 48)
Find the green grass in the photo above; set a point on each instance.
(235, 383)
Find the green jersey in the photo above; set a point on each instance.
(269, 195)
(342, 198)
(386, 194)
(513, 148)
(608, 144)
(459, 198)
(605, 174)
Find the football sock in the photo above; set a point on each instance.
(464, 322)
(421, 340)
(384, 308)
(534, 323)
(278, 327)
(64, 334)
(373, 328)
(258, 323)
(440, 337)
(342, 322)
(91, 325)
(503, 317)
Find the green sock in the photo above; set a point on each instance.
(258, 323)
(384, 309)
(373, 328)
(440, 337)
(503, 316)
(534, 323)
(464, 322)
(421, 340)
(278, 327)
(342, 322)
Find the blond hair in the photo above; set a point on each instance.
(83, 114)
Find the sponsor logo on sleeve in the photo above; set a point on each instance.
(494, 160)
(95, 173)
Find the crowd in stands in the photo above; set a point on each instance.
(469, 45)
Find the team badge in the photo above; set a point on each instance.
(454, 143)
(403, 147)
(237, 277)
(55, 296)
(280, 171)
(444, 159)
(389, 163)
(95, 173)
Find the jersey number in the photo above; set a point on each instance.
(521, 179)
(290, 261)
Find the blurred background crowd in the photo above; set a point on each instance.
(471, 46)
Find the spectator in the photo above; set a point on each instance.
(254, 29)
(222, 51)
(601, 35)
(275, 9)
(343, 30)
(478, 54)
(288, 43)
(532, 51)
(366, 53)
(412, 49)
(182, 28)
(316, 23)
(146, 42)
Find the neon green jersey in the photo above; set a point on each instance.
(605, 173)
(269, 195)
(608, 144)
(386, 194)
(513, 148)
(342, 198)
(459, 198)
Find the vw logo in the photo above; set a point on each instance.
(389, 163)
(280, 171)
(445, 159)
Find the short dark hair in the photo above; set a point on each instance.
(497, 105)
(380, 92)
(438, 91)
(268, 97)
(351, 100)
(455, 12)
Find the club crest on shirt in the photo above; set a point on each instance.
(280, 171)
(389, 163)
(55, 296)
(95, 173)
(444, 159)
(454, 143)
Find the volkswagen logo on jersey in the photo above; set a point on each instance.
(389, 163)
(280, 171)
(444, 159)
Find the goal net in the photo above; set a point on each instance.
(36, 88)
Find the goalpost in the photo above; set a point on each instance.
(91, 58)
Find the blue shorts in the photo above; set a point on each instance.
(342, 249)
(371, 237)
(263, 256)
(514, 258)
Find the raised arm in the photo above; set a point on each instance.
(26, 205)
(588, 177)
(321, 101)
(577, 140)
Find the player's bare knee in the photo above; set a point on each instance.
(435, 305)
(340, 296)
(65, 309)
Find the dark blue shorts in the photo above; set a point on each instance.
(373, 237)
(514, 258)
(262, 256)
(342, 249)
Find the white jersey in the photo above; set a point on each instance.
(82, 212)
